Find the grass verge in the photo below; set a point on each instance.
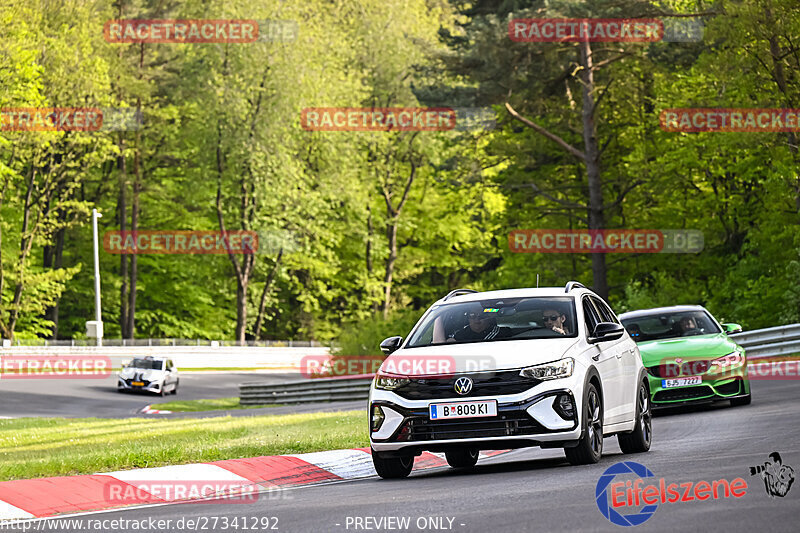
(215, 404)
(41, 447)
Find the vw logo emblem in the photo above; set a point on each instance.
(463, 386)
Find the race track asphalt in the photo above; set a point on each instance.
(536, 490)
(99, 397)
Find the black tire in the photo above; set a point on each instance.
(638, 440)
(590, 446)
(392, 467)
(462, 458)
(738, 402)
(175, 390)
(162, 392)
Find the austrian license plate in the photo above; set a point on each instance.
(137, 383)
(440, 411)
(681, 382)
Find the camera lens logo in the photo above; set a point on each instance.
(463, 386)
(604, 500)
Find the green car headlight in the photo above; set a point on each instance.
(728, 362)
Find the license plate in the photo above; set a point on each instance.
(137, 383)
(440, 411)
(681, 382)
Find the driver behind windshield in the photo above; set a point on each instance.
(556, 321)
(687, 323)
(481, 325)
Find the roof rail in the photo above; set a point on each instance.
(574, 285)
(458, 292)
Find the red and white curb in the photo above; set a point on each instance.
(148, 410)
(42, 497)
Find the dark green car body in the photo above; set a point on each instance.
(702, 365)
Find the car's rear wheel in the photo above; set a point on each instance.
(745, 400)
(590, 446)
(392, 467)
(638, 440)
(462, 458)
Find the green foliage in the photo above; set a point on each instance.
(227, 117)
(364, 337)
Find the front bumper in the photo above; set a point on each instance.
(732, 385)
(524, 419)
(149, 386)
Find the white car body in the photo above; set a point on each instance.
(161, 379)
(614, 365)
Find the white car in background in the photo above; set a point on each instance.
(149, 374)
(549, 367)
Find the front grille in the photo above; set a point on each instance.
(672, 369)
(503, 425)
(483, 384)
(690, 393)
(729, 388)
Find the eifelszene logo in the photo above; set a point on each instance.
(778, 477)
(629, 495)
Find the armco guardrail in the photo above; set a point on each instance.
(309, 390)
(770, 342)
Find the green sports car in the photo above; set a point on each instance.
(689, 356)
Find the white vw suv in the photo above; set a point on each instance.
(549, 367)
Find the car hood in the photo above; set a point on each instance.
(690, 348)
(148, 374)
(471, 357)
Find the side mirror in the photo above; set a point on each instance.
(391, 344)
(606, 331)
(732, 328)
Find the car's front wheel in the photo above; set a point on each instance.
(462, 458)
(392, 467)
(590, 446)
(638, 440)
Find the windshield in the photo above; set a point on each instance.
(495, 320)
(670, 325)
(147, 363)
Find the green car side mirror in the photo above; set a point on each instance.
(732, 328)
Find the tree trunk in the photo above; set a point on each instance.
(137, 187)
(592, 154)
(122, 215)
(391, 236)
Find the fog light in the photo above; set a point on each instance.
(565, 407)
(377, 417)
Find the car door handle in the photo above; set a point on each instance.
(595, 357)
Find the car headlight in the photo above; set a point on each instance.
(727, 362)
(557, 369)
(386, 381)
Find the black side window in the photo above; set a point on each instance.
(591, 316)
(605, 311)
